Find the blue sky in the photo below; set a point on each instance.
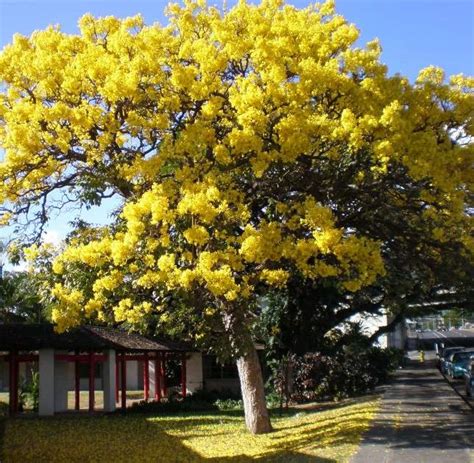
(413, 34)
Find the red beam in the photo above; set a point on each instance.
(137, 357)
(149, 355)
(91, 382)
(21, 357)
(124, 382)
(183, 375)
(27, 358)
(83, 358)
(146, 378)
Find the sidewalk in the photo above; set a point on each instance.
(421, 420)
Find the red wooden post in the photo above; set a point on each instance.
(117, 363)
(157, 376)
(146, 378)
(183, 375)
(124, 382)
(91, 382)
(163, 374)
(77, 384)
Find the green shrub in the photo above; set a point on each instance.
(166, 407)
(29, 392)
(3, 409)
(229, 404)
(352, 371)
(273, 399)
(199, 401)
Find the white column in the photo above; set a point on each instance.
(109, 381)
(151, 375)
(46, 382)
(61, 371)
(194, 376)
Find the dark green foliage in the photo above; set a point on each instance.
(19, 299)
(172, 406)
(29, 392)
(199, 401)
(352, 371)
(229, 404)
(3, 410)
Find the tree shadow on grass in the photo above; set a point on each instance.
(205, 438)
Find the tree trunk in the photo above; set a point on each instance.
(253, 393)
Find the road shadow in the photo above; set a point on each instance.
(420, 411)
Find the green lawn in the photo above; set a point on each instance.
(323, 436)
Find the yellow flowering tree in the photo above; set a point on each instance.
(233, 139)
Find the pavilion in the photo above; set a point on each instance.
(60, 355)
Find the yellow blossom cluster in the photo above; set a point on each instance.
(330, 434)
(224, 134)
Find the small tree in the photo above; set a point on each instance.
(19, 299)
(232, 139)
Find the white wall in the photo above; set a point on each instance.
(194, 373)
(109, 381)
(132, 375)
(370, 324)
(83, 382)
(398, 337)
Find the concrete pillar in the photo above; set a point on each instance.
(46, 382)
(61, 386)
(109, 381)
(152, 376)
(194, 375)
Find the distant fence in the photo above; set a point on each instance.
(441, 323)
(416, 341)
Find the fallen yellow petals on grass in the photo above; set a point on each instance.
(301, 436)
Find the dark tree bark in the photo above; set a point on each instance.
(257, 418)
(253, 393)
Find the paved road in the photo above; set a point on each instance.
(452, 338)
(421, 420)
